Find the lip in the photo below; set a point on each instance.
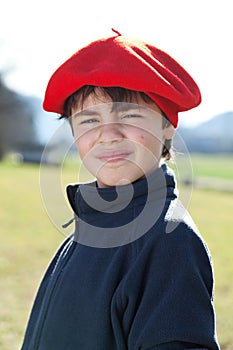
(114, 157)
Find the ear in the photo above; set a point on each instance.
(168, 132)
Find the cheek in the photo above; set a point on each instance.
(149, 146)
(142, 138)
(147, 139)
(84, 143)
(83, 146)
(137, 135)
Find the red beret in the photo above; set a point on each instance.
(127, 63)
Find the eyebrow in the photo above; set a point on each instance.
(116, 107)
(85, 112)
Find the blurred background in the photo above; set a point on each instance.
(37, 157)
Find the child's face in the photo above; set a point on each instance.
(119, 142)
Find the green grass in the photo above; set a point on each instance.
(212, 211)
(220, 166)
(29, 239)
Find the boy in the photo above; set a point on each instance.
(135, 274)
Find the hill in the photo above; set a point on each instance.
(213, 136)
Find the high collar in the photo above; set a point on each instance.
(109, 206)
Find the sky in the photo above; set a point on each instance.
(37, 36)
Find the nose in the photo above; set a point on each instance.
(110, 132)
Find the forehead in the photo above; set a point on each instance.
(101, 101)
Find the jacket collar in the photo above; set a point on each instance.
(111, 217)
(87, 199)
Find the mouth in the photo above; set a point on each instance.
(114, 157)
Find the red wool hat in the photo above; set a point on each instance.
(130, 64)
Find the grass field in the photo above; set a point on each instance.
(29, 238)
(208, 165)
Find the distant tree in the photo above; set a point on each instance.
(16, 120)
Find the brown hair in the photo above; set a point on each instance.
(117, 94)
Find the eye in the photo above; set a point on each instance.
(89, 121)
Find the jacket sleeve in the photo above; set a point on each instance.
(39, 300)
(173, 308)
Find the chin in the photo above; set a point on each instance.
(117, 181)
(118, 177)
(108, 184)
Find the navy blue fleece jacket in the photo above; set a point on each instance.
(135, 275)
